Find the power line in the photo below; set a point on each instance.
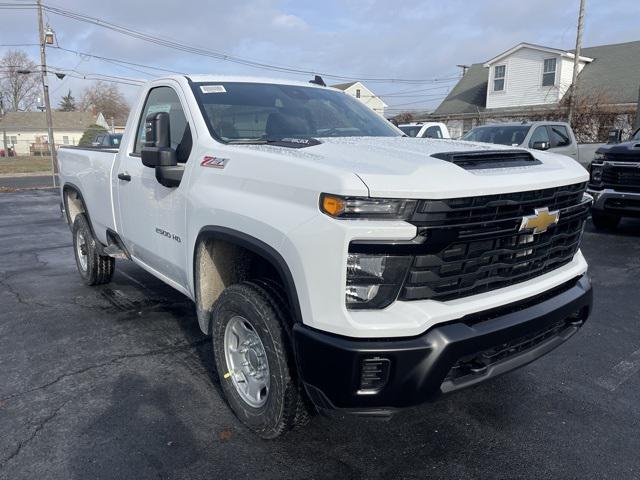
(115, 60)
(224, 56)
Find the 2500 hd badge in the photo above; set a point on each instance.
(170, 235)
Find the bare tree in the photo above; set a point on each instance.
(105, 98)
(404, 117)
(20, 90)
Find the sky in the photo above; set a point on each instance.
(402, 39)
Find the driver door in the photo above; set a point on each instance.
(153, 217)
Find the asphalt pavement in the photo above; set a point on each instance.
(115, 382)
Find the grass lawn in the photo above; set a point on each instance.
(24, 164)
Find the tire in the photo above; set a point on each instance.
(262, 391)
(95, 269)
(604, 221)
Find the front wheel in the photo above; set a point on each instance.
(254, 360)
(604, 221)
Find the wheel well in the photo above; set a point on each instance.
(73, 204)
(221, 261)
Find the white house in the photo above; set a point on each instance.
(530, 82)
(362, 93)
(530, 74)
(26, 132)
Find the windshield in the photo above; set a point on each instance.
(252, 112)
(636, 136)
(512, 135)
(411, 130)
(115, 139)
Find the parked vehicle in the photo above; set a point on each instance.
(335, 263)
(107, 140)
(425, 129)
(557, 137)
(615, 182)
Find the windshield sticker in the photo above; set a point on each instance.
(213, 89)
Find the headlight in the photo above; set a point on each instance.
(364, 207)
(374, 281)
(596, 173)
(599, 157)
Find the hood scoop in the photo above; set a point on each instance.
(487, 159)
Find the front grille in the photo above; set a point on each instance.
(621, 177)
(626, 156)
(473, 245)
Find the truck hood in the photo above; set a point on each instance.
(403, 167)
(629, 149)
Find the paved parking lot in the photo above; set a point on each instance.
(114, 382)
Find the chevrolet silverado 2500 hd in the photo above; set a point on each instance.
(615, 182)
(335, 263)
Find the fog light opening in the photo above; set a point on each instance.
(374, 375)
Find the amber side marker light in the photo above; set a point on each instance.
(333, 206)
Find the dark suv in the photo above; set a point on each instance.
(615, 182)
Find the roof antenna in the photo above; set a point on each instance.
(317, 80)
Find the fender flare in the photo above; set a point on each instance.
(259, 248)
(73, 188)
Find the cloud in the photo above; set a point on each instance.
(407, 39)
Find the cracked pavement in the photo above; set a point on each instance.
(115, 382)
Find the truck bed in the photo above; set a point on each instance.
(89, 169)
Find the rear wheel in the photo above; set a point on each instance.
(254, 359)
(95, 269)
(604, 221)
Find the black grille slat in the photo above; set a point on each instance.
(621, 177)
(476, 210)
(486, 251)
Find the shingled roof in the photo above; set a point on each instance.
(16, 121)
(614, 73)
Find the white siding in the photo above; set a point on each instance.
(523, 85)
(367, 97)
(566, 74)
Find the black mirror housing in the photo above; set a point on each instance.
(153, 157)
(540, 145)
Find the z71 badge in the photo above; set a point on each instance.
(214, 162)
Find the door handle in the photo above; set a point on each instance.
(124, 176)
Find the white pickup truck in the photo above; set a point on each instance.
(336, 264)
(556, 137)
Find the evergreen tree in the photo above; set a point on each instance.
(67, 103)
(90, 134)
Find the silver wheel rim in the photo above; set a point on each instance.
(247, 363)
(81, 250)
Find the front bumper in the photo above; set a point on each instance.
(446, 358)
(613, 201)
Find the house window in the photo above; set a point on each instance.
(499, 73)
(358, 93)
(549, 72)
(65, 140)
(13, 140)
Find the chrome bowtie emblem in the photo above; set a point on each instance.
(540, 221)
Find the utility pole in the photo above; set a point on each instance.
(637, 112)
(576, 62)
(45, 91)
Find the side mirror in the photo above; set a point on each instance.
(614, 135)
(157, 152)
(540, 145)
